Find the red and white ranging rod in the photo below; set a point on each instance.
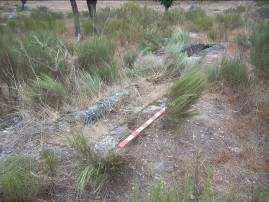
(137, 132)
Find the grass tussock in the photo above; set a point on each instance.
(233, 73)
(18, 178)
(43, 53)
(259, 53)
(200, 20)
(50, 161)
(47, 91)
(133, 24)
(95, 171)
(242, 40)
(230, 20)
(129, 58)
(96, 57)
(184, 93)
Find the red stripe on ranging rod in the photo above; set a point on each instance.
(136, 133)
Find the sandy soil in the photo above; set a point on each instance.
(64, 6)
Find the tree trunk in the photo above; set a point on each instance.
(23, 2)
(92, 13)
(92, 7)
(166, 8)
(76, 18)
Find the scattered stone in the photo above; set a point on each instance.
(152, 109)
(161, 167)
(10, 120)
(194, 49)
(110, 141)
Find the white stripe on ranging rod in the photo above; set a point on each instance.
(137, 132)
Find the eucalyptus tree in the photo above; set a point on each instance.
(76, 18)
(166, 3)
(23, 2)
(92, 7)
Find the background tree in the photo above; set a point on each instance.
(76, 18)
(23, 2)
(166, 3)
(92, 7)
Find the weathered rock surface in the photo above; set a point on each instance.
(201, 49)
(98, 110)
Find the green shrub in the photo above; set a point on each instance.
(200, 20)
(18, 178)
(214, 35)
(9, 67)
(213, 74)
(173, 17)
(46, 90)
(87, 26)
(233, 72)
(151, 41)
(96, 57)
(230, 20)
(184, 93)
(242, 40)
(259, 52)
(43, 53)
(43, 13)
(40, 19)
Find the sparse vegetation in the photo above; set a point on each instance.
(208, 195)
(233, 73)
(242, 41)
(47, 77)
(200, 20)
(129, 58)
(159, 192)
(46, 90)
(18, 178)
(260, 48)
(50, 161)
